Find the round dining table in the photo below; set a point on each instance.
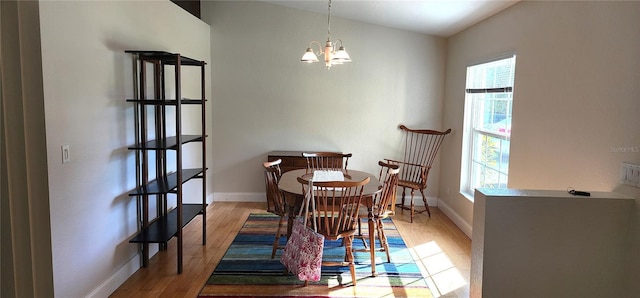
(294, 196)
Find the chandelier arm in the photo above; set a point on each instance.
(319, 52)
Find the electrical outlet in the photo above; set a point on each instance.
(66, 153)
(630, 174)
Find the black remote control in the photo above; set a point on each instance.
(580, 193)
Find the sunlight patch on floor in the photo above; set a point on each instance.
(442, 276)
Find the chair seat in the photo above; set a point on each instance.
(364, 213)
(409, 184)
(342, 235)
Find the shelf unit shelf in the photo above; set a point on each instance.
(169, 143)
(158, 129)
(166, 57)
(166, 102)
(165, 228)
(166, 184)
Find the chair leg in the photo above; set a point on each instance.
(383, 239)
(352, 268)
(276, 242)
(349, 258)
(426, 205)
(402, 207)
(412, 205)
(364, 242)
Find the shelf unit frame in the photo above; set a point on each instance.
(168, 223)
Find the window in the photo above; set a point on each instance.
(487, 125)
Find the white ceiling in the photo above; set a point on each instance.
(435, 17)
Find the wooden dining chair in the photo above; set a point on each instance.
(420, 149)
(275, 199)
(336, 215)
(326, 160)
(383, 207)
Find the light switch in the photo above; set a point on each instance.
(66, 153)
(630, 174)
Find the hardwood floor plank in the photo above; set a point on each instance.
(444, 253)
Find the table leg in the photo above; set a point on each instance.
(291, 202)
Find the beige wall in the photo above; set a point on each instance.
(86, 79)
(264, 99)
(576, 105)
(574, 114)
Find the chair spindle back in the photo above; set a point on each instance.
(275, 198)
(385, 200)
(337, 205)
(326, 160)
(420, 150)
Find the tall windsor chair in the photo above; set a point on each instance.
(275, 199)
(420, 150)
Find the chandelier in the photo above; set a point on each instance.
(331, 56)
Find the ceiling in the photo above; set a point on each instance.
(435, 17)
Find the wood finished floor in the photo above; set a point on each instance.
(440, 247)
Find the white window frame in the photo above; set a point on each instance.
(481, 122)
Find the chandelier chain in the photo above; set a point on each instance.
(329, 23)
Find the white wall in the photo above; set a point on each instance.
(86, 78)
(265, 99)
(576, 96)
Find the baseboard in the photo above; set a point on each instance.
(117, 279)
(121, 275)
(239, 197)
(432, 201)
(455, 217)
(260, 197)
(129, 268)
(417, 200)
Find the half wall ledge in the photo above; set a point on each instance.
(548, 243)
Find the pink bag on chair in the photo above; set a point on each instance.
(303, 253)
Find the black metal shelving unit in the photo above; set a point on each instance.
(153, 109)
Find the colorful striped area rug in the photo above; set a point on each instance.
(247, 270)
